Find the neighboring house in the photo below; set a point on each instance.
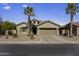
(39, 28)
(66, 29)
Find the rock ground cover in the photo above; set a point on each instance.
(41, 39)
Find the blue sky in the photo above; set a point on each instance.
(14, 12)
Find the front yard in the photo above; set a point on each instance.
(24, 39)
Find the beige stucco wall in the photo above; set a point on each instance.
(18, 29)
(48, 25)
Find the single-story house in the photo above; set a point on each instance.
(39, 28)
(47, 28)
(66, 29)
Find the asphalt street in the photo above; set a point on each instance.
(39, 49)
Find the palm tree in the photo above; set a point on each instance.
(29, 12)
(72, 9)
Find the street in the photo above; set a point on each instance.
(39, 49)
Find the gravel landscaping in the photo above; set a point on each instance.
(24, 39)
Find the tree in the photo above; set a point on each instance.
(1, 22)
(29, 12)
(72, 9)
(8, 26)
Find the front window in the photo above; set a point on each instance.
(23, 29)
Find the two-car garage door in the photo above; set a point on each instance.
(48, 31)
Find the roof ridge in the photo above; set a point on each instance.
(48, 21)
(21, 23)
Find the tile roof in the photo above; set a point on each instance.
(50, 22)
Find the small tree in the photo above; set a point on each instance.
(8, 26)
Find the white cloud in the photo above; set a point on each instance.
(6, 7)
(24, 5)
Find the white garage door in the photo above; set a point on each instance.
(48, 31)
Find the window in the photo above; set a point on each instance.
(23, 29)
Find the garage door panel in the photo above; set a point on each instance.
(51, 31)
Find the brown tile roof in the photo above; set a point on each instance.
(74, 23)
